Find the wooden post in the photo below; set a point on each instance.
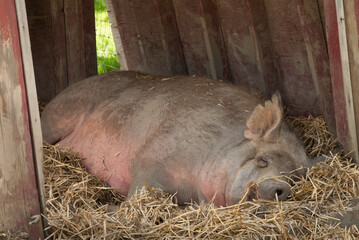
(351, 12)
(20, 201)
(340, 75)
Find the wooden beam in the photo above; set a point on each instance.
(33, 106)
(89, 37)
(75, 48)
(340, 75)
(348, 92)
(351, 11)
(57, 54)
(18, 188)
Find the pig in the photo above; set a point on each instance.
(203, 139)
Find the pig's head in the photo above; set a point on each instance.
(270, 149)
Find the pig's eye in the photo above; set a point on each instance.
(262, 162)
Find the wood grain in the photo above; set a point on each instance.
(18, 189)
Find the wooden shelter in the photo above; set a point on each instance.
(306, 49)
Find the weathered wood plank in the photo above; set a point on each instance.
(351, 11)
(336, 71)
(18, 190)
(44, 53)
(62, 35)
(265, 57)
(57, 53)
(124, 34)
(89, 34)
(201, 36)
(146, 36)
(297, 87)
(75, 48)
(170, 37)
(314, 39)
(242, 47)
(31, 94)
(347, 80)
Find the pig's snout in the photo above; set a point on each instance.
(271, 188)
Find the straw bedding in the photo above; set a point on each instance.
(80, 206)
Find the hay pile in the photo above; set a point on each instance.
(81, 207)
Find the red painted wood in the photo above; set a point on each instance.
(297, 86)
(201, 36)
(336, 71)
(317, 56)
(19, 194)
(149, 36)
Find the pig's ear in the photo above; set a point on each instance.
(265, 122)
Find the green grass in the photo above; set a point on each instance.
(106, 51)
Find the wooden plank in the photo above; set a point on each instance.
(348, 92)
(58, 49)
(242, 43)
(314, 39)
(124, 34)
(351, 11)
(44, 54)
(336, 72)
(63, 41)
(320, 4)
(18, 191)
(170, 38)
(297, 87)
(146, 36)
(201, 36)
(89, 34)
(151, 30)
(74, 41)
(34, 115)
(265, 58)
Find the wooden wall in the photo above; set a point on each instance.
(265, 45)
(19, 192)
(290, 46)
(63, 43)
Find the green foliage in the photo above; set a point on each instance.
(106, 51)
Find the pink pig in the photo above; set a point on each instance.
(201, 138)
